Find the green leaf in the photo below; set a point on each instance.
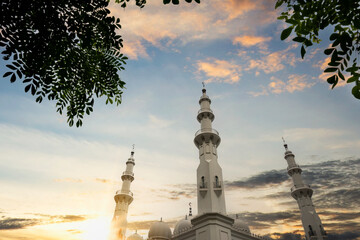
(286, 33)
(303, 51)
(278, 3)
(341, 76)
(176, 2)
(13, 78)
(329, 51)
(331, 80)
(334, 36)
(352, 69)
(27, 88)
(352, 79)
(299, 39)
(11, 67)
(198, 1)
(331, 70)
(7, 74)
(166, 1)
(356, 91)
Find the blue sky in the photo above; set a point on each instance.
(58, 182)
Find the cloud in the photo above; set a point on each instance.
(157, 122)
(19, 223)
(134, 49)
(163, 26)
(177, 191)
(294, 83)
(261, 180)
(72, 180)
(273, 62)
(263, 92)
(249, 41)
(216, 70)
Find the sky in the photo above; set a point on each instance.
(58, 182)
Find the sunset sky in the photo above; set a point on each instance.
(58, 182)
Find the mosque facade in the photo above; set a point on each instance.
(212, 221)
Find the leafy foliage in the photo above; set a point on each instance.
(65, 50)
(308, 17)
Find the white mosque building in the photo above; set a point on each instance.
(212, 221)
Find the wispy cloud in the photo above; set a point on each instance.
(292, 84)
(215, 70)
(248, 40)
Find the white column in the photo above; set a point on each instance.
(210, 187)
(123, 199)
(302, 193)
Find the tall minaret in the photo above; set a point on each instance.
(210, 187)
(302, 193)
(123, 198)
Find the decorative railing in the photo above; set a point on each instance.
(124, 192)
(128, 173)
(206, 130)
(293, 166)
(300, 186)
(205, 110)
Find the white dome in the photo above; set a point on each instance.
(159, 230)
(135, 236)
(182, 225)
(239, 224)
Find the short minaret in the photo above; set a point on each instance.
(302, 193)
(210, 188)
(123, 198)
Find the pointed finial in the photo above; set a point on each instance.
(285, 145)
(203, 90)
(190, 210)
(132, 152)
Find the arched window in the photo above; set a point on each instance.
(311, 232)
(217, 184)
(202, 185)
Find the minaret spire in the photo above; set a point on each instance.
(123, 199)
(302, 193)
(209, 173)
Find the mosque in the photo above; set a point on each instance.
(212, 221)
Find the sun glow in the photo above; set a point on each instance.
(95, 229)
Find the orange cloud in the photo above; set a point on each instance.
(295, 83)
(249, 41)
(236, 8)
(134, 49)
(273, 62)
(219, 70)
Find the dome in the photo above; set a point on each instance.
(182, 225)
(239, 224)
(159, 230)
(135, 236)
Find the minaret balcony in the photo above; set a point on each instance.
(205, 135)
(127, 176)
(301, 190)
(293, 168)
(205, 112)
(119, 192)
